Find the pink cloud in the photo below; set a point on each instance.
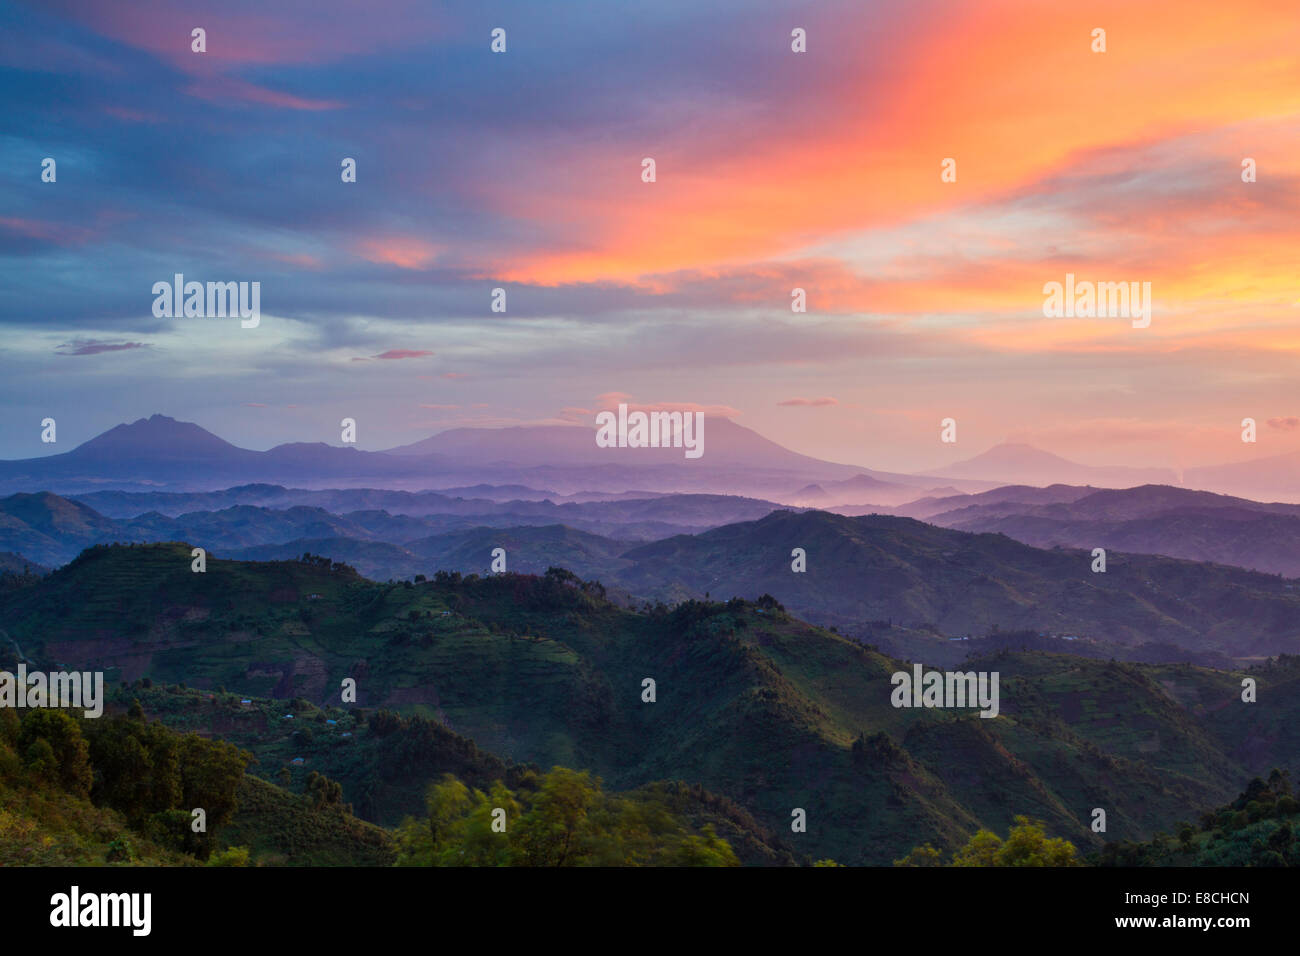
(611, 400)
(296, 259)
(57, 233)
(811, 402)
(244, 33)
(218, 89)
(253, 32)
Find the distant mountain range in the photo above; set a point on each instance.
(51, 530)
(563, 463)
(160, 452)
(1013, 495)
(1152, 519)
(1188, 571)
(1270, 478)
(859, 490)
(911, 584)
(1273, 477)
(1028, 465)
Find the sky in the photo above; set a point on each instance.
(774, 170)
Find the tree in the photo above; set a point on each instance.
(924, 855)
(1026, 845)
(210, 774)
(981, 850)
(67, 749)
(137, 767)
(707, 849)
(550, 834)
(562, 818)
(437, 842)
(233, 856)
(323, 791)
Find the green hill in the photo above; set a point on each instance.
(1259, 828)
(282, 828)
(119, 790)
(752, 705)
(885, 568)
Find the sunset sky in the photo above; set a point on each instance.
(775, 170)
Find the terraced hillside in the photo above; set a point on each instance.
(751, 703)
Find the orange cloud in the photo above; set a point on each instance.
(1011, 90)
(405, 252)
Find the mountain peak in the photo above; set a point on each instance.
(1018, 451)
(157, 434)
(1023, 464)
